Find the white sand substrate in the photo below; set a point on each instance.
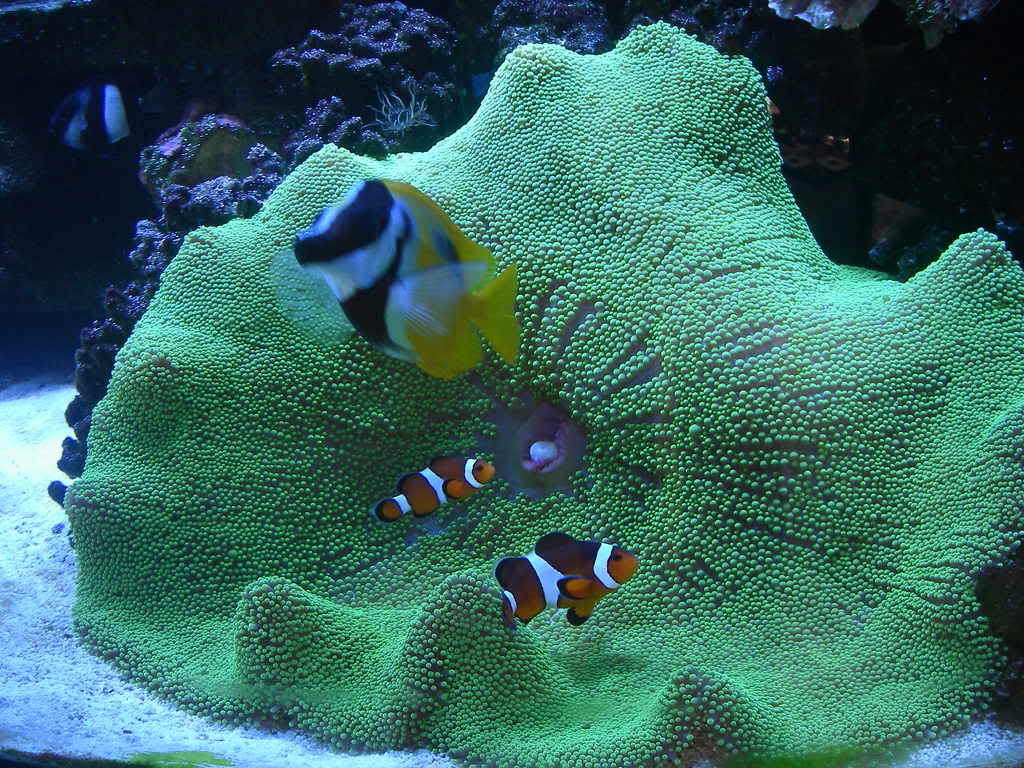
(55, 697)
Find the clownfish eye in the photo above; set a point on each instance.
(478, 466)
(616, 556)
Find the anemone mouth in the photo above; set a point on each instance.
(544, 456)
(544, 440)
(538, 448)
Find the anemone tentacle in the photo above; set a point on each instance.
(811, 463)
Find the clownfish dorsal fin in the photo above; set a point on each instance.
(576, 587)
(552, 542)
(402, 486)
(442, 457)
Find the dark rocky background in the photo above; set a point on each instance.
(895, 136)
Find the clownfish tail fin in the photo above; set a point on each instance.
(492, 310)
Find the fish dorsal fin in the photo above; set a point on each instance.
(551, 543)
(577, 587)
(429, 211)
(448, 467)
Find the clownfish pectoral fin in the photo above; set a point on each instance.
(576, 587)
(492, 310)
(457, 489)
(574, 618)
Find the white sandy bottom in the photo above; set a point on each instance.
(55, 697)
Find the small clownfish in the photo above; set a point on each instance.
(444, 478)
(562, 572)
(409, 280)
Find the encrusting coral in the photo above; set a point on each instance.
(811, 463)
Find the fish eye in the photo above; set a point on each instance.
(616, 556)
(478, 466)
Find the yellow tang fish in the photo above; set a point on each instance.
(409, 280)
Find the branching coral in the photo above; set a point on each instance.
(811, 463)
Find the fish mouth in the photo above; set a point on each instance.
(538, 449)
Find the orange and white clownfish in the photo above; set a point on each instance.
(562, 572)
(445, 478)
(409, 280)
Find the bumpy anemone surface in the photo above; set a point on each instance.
(810, 462)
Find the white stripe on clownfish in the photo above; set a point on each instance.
(511, 600)
(601, 567)
(468, 474)
(436, 483)
(548, 576)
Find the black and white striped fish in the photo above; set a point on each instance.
(92, 118)
(410, 282)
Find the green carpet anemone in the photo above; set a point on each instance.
(810, 462)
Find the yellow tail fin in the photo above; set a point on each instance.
(492, 310)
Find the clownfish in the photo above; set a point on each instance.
(409, 280)
(444, 478)
(91, 118)
(562, 572)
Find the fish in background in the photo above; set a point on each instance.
(409, 280)
(562, 572)
(92, 118)
(445, 478)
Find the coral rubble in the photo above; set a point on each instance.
(379, 50)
